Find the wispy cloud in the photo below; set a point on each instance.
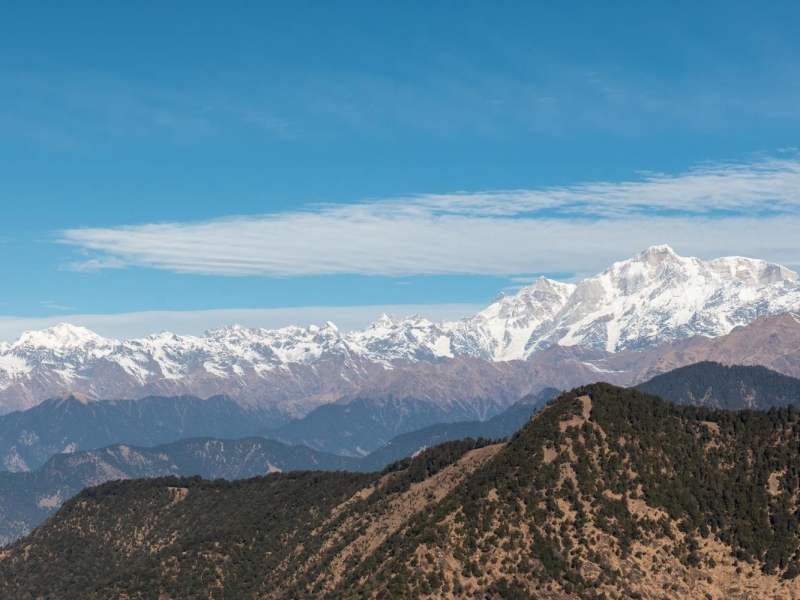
(714, 209)
(83, 109)
(55, 305)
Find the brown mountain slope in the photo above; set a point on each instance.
(772, 341)
(606, 493)
(451, 381)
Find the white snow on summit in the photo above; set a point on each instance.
(505, 327)
(62, 337)
(658, 296)
(654, 297)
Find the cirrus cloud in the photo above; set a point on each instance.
(722, 208)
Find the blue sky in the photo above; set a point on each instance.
(423, 156)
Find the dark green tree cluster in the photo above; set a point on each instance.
(709, 470)
(733, 475)
(730, 387)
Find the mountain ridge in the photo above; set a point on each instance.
(69, 424)
(606, 492)
(27, 497)
(734, 387)
(653, 298)
(447, 391)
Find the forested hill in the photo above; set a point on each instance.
(607, 491)
(720, 386)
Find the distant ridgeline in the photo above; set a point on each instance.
(27, 498)
(719, 386)
(606, 325)
(607, 491)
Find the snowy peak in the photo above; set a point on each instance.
(545, 285)
(658, 296)
(62, 336)
(385, 322)
(655, 255)
(654, 297)
(654, 263)
(542, 299)
(751, 272)
(390, 339)
(503, 330)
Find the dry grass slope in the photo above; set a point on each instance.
(607, 493)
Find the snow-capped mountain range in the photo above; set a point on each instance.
(652, 298)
